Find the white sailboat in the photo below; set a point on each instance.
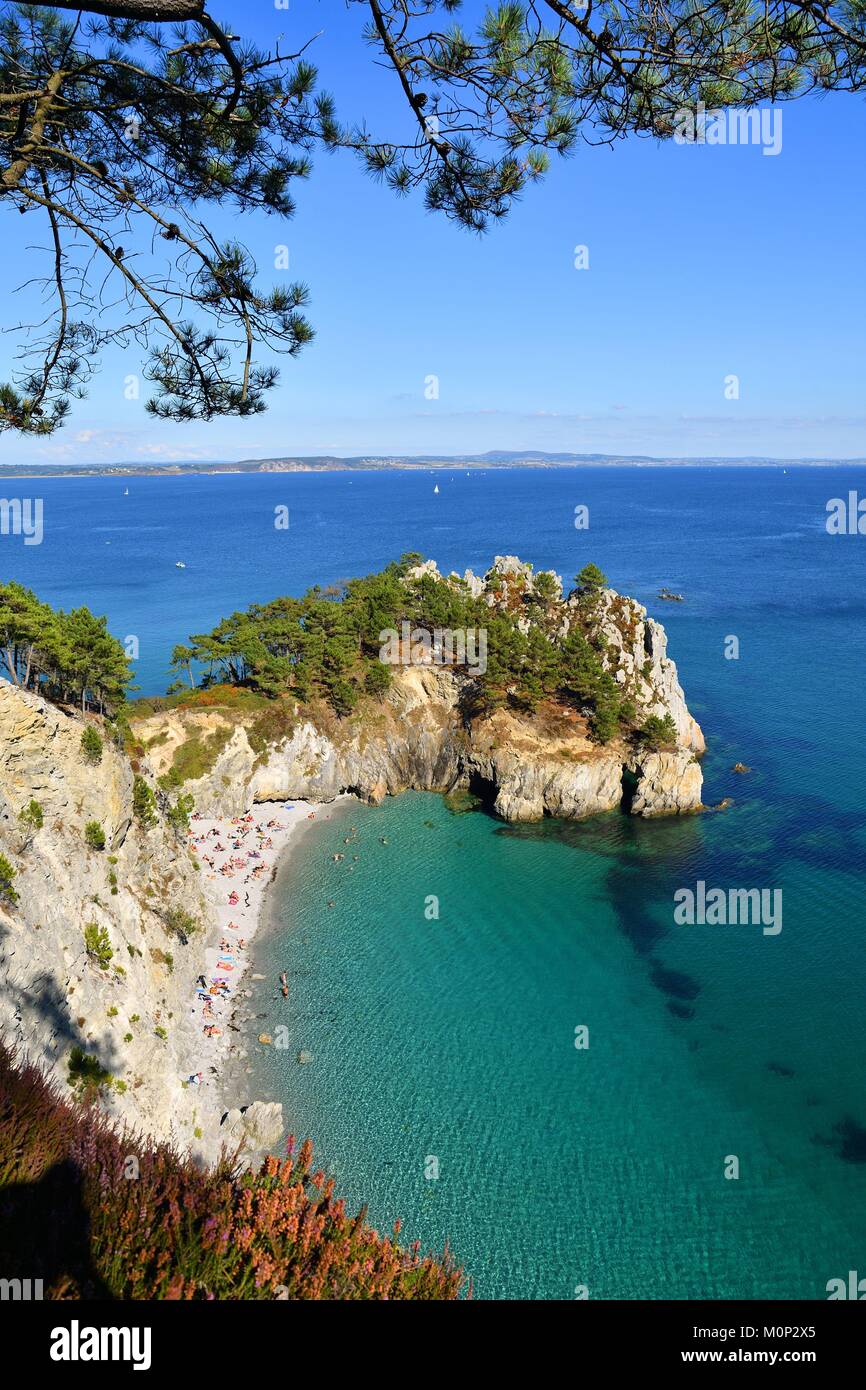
(436, 488)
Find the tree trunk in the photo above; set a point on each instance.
(10, 662)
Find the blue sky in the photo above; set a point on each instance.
(703, 262)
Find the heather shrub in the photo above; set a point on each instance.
(177, 1232)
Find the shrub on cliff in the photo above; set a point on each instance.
(178, 815)
(32, 816)
(94, 835)
(591, 578)
(91, 746)
(7, 874)
(97, 944)
(180, 923)
(143, 802)
(97, 1214)
(657, 733)
(86, 1074)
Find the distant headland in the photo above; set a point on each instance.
(370, 463)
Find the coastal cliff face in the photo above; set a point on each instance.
(419, 737)
(129, 1011)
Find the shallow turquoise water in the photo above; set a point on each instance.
(557, 1167)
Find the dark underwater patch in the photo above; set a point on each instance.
(676, 983)
(680, 1010)
(848, 1140)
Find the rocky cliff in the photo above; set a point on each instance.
(127, 1010)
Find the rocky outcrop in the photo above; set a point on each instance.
(668, 784)
(253, 1128)
(639, 661)
(419, 738)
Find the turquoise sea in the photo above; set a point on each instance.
(447, 1045)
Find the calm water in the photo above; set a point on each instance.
(452, 1039)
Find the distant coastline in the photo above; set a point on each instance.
(327, 463)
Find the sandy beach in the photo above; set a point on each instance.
(238, 858)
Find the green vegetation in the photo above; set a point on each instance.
(179, 922)
(32, 817)
(178, 1231)
(591, 578)
(97, 943)
(86, 1073)
(143, 802)
(67, 657)
(327, 645)
(657, 733)
(195, 757)
(94, 835)
(179, 814)
(7, 874)
(91, 746)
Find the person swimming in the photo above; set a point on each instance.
(284, 985)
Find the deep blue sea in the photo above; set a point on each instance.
(453, 1039)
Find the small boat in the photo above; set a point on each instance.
(179, 565)
(436, 488)
(126, 492)
(669, 596)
